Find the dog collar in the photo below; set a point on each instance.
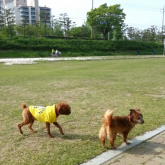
(127, 117)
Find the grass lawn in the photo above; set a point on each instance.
(90, 87)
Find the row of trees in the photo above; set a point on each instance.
(110, 20)
(105, 22)
(45, 27)
(152, 34)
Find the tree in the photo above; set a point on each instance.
(105, 18)
(68, 25)
(58, 29)
(45, 19)
(19, 30)
(52, 23)
(153, 33)
(146, 35)
(7, 20)
(86, 30)
(30, 30)
(24, 23)
(138, 35)
(37, 28)
(77, 31)
(73, 28)
(131, 32)
(120, 31)
(83, 31)
(63, 20)
(160, 36)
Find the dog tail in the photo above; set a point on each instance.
(108, 117)
(105, 129)
(23, 106)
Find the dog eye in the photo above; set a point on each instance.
(138, 118)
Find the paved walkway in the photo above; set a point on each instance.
(151, 152)
(146, 149)
(12, 61)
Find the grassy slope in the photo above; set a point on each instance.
(42, 47)
(90, 87)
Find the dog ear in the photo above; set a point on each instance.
(132, 111)
(138, 110)
(61, 110)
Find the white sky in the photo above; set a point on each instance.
(140, 14)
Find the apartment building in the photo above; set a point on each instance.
(16, 2)
(0, 7)
(21, 10)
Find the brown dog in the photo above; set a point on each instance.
(118, 125)
(47, 114)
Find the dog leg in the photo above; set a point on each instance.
(21, 124)
(103, 143)
(125, 134)
(112, 139)
(48, 129)
(112, 144)
(30, 127)
(59, 127)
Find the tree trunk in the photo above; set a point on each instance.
(104, 34)
(24, 31)
(45, 29)
(10, 33)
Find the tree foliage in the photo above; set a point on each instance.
(81, 31)
(45, 19)
(7, 20)
(106, 18)
(58, 29)
(24, 23)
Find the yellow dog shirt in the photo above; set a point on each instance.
(44, 114)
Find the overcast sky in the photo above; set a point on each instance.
(140, 14)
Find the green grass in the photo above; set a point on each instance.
(90, 87)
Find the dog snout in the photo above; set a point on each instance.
(142, 121)
(68, 113)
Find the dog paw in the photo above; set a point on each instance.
(128, 143)
(51, 136)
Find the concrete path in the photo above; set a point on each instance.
(151, 152)
(144, 149)
(16, 61)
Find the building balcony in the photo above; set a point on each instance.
(24, 9)
(33, 10)
(33, 13)
(24, 14)
(23, 17)
(33, 18)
